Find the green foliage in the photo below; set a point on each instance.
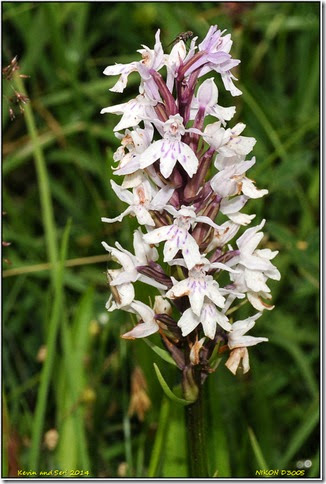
(57, 166)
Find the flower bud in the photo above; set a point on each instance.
(207, 93)
(162, 306)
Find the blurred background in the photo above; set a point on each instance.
(76, 397)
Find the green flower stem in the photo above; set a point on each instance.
(56, 277)
(43, 183)
(196, 437)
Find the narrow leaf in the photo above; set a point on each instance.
(168, 392)
(160, 352)
(257, 450)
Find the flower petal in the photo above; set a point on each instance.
(196, 297)
(151, 154)
(143, 216)
(214, 294)
(256, 281)
(118, 218)
(258, 303)
(191, 252)
(162, 197)
(170, 250)
(181, 288)
(188, 322)
(141, 330)
(158, 235)
(249, 189)
(208, 221)
(187, 159)
(168, 157)
(247, 341)
(121, 193)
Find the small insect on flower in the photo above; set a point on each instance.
(183, 36)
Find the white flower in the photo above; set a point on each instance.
(177, 236)
(129, 262)
(209, 318)
(231, 207)
(135, 141)
(148, 325)
(227, 78)
(153, 59)
(171, 149)
(133, 111)
(165, 132)
(162, 306)
(207, 96)
(234, 360)
(173, 62)
(236, 336)
(216, 49)
(223, 235)
(121, 295)
(228, 142)
(238, 343)
(143, 199)
(199, 285)
(255, 267)
(256, 260)
(232, 181)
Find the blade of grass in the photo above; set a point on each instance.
(43, 184)
(79, 261)
(141, 455)
(218, 445)
(257, 450)
(314, 470)
(11, 298)
(126, 419)
(54, 323)
(5, 437)
(158, 448)
(43, 140)
(301, 434)
(74, 342)
(74, 427)
(262, 118)
(307, 100)
(301, 361)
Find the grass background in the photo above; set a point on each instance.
(56, 171)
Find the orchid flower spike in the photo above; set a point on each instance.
(183, 176)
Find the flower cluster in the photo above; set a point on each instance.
(183, 169)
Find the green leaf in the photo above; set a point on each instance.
(160, 438)
(54, 325)
(301, 434)
(160, 352)
(257, 450)
(168, 392)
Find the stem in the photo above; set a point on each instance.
(43, 184)
(196, 437)
(160, 438)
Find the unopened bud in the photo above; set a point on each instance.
(195, 350)
(162, 306)
(190, 388)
